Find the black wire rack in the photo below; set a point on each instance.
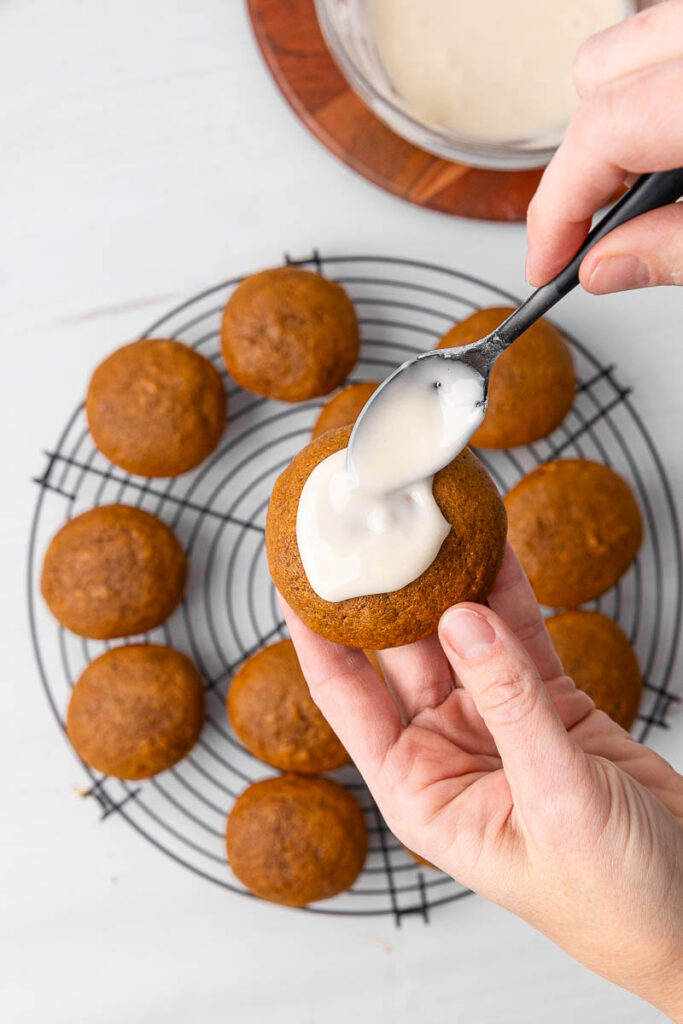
(229, 611)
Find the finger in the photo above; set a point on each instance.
(458, 720)
(602, 737)
(513, 599)
(629, 125)
(539, 758)
(651, 37)
(419, 675)
(645, 251)
(571, 704)
(350, 694)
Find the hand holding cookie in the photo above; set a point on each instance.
(487, 760)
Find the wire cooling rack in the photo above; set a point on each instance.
(230, 611)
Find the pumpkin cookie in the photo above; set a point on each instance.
(136, 711)
(464, 569)
(532, 384)
(344, 409)
(271, 711)
(576, 528)
(113, 571)
(596, 654)
(156, 407)
(289, 334)
(295, 840)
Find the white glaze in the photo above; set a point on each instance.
(489, 68)
(418, 425)
(375, 527)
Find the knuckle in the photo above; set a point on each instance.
(610, 126)
(328, 683)
(584, 64)
(591, 130)
(572, 704)
(582, 125)
(398, 764)
(531, 628)
(508, 699)
(649, 20)
(555, 814)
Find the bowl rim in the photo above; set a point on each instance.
(468, 150)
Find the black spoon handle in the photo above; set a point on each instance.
(648, 193)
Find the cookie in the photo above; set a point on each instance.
(136, 711)
(156, 407)
(113, 571)
(271, 711)
(464, 569)
(289, 334)
(596, 654)
(576, 528)
(296, 840)
(344, 409)
(532, 385)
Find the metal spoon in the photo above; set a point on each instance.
(648, 193)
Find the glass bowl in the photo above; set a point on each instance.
(348, 28)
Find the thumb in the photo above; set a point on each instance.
(539, 757)
(645, 251)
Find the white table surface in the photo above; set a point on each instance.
(144, 154)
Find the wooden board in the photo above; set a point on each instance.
(294, 50)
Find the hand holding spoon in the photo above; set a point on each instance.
(648, 193)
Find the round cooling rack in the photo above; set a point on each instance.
(229, 611)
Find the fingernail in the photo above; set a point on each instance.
(468, 633)
(617, 274)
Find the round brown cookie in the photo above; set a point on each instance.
(596, 654)
(344, 409)
(289, 334)
(156, 407)
(532, 384)
(271, 711)
(295, 840)
(576, 528)
(136, 711)
(464, 569)
(113, 571)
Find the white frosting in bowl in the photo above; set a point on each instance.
(488, 68)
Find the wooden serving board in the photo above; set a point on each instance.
(294, 50)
